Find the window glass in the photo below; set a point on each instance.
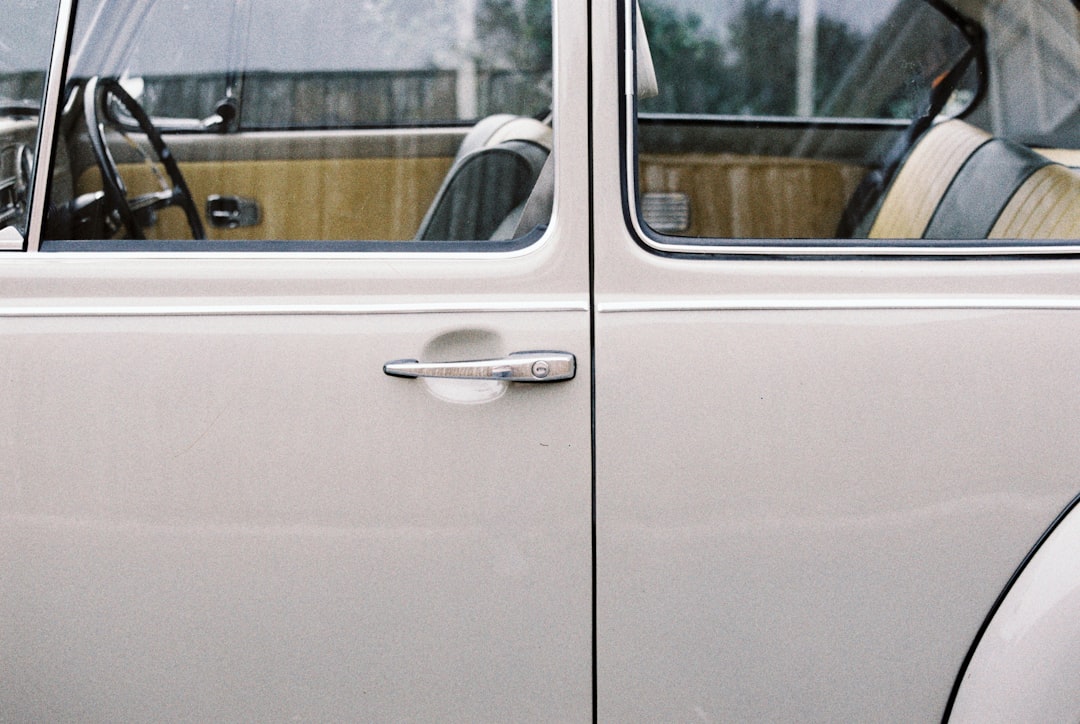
(834, 58)
(325, 64)
(317, 121)
(876, 120)
(25, 48)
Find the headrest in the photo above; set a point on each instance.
(493, 130)
(646, 73)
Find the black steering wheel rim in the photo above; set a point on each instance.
(95, 102)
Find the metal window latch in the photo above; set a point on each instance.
(232, 212)
(516, 367)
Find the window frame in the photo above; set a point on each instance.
(681, 247)
(55, 89)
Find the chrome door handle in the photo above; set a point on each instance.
(516, 367)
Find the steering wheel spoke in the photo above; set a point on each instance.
(130, 209)
(155, 200)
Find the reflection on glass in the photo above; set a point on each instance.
(420, 121)
(879, 121)
(26, 33)
(833, 58)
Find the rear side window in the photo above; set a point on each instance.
(880, 123)
(831, 58)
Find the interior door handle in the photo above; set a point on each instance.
(516, 367)
(232, 212)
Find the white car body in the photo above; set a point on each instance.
(785, 483)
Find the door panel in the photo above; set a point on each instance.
(214, 502)
(759, 179)
(367, 184)
(733, 195)
(815, 471)
(250, 517)
(216, 505)
(814, 522)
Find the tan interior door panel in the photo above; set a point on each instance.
(740, 196)
(362, 185)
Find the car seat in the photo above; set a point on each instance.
(960, 182)
(501, 184)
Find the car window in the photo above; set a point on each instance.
(323, 64)
(25, 48)
(832, 58)
(321, 122)
(869, 121)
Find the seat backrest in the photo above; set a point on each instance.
(494, 171)
(501, 184)
(1046, 206)
(483, 189)
(959, 182)
(923, 179)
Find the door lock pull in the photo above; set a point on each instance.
(232, 212)
(516, 367)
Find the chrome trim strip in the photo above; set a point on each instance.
(91, 256)
(265, 310)
(47, 124)
(902, 248)
(763, 304)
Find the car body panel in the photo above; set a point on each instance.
(224, 509)
(789, 479)
(823, 469)
(232, 526)
(1023, 664)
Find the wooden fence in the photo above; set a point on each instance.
(345, 99)
(329, 99)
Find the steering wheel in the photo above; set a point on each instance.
(95, 102)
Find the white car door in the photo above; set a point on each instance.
(216, 504)
(820, 459)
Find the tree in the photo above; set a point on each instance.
(763, 45)
(751, 71)
(514, 34)
(689, 63)
(513, 51)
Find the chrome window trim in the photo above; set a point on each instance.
(277, 310)
(900, 302)
(898, 248)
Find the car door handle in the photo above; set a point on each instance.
(232, 212)
(516, 367)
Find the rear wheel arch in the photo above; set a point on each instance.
(1024, 663)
